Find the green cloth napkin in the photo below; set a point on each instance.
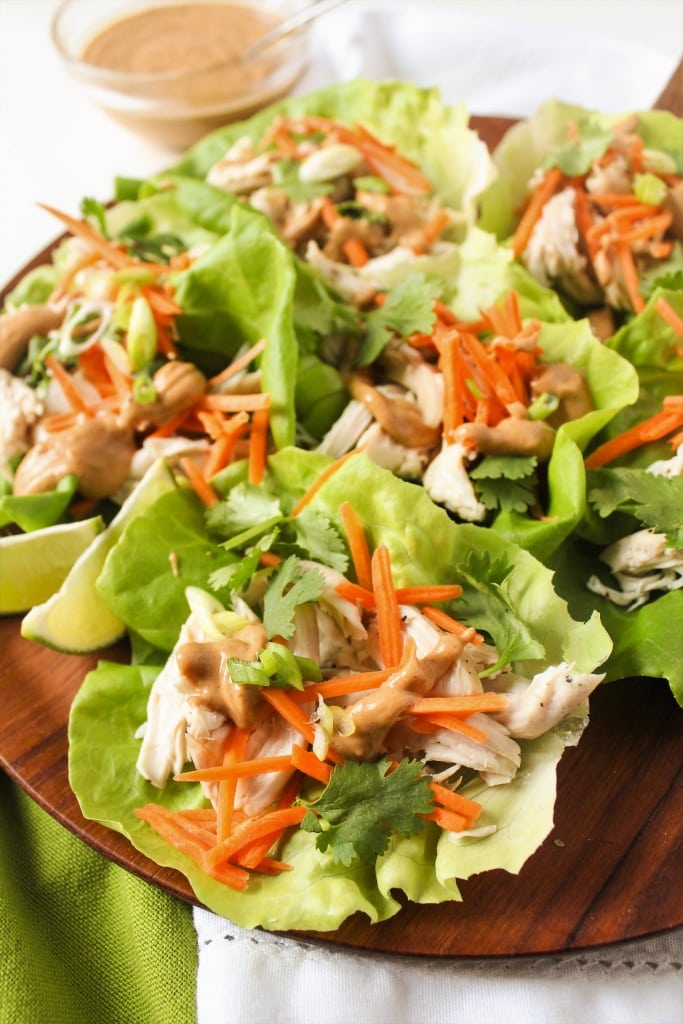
(82, 941)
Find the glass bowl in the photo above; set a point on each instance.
(175, 88)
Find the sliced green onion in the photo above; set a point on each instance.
(144, 391)
(650, 189)
(543, 406)
(141, 341)
(247, 673)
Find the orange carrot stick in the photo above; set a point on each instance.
(71, 392)
(451, 625)
(452, 723)
(448, 820)
(291, 712)
(339, 686)
(243, 770)
(274, 823)
(238, 364)
(358, 545)
(543, 193)
(424, 595)
(669, 314)
(199, 483)
(388, 612)
(328, 472)
(654, 428)
(456, 802)
(358, 595)
(355, 252)
(226, 790)
(306, 762)
(462, 704)
(258, 446)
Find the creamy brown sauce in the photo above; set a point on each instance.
(179, 37)
(201, 43)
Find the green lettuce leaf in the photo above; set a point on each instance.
(423, 128)
(529, 144)
(426, 546)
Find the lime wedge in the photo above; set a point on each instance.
(34, 565)
(76, 620)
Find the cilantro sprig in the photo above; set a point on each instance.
(654, 500)
(408, 308)
(506, 482)
(364, 804)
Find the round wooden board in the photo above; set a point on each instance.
(610, 871)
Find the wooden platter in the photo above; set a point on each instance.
(610, 870)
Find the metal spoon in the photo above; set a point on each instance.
(290, 24)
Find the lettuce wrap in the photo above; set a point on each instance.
(586, 168)
(507, 596)
(625, 559)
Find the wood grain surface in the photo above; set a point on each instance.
(610, 871)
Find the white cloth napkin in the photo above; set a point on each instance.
(493, 66)
(253, 977)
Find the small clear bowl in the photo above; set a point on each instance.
(176, 107)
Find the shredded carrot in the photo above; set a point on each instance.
(357, 595)
(252, 854)
(183, 837)
(462, 704)
(354, 682)
(64, 379)
(669, 314)
(543, 193)
(274, 823)
(358, 545)
(243, 770)
(449, 820)
(453, 382)
(113, 254)
(237, 745)
(329, 214)
(425, 595)
(238, 364)
(355, 252)
(59, 421)
(434, 227)
(388, 612)
(323, 477)
(654, 428)
(513, 315)
(270, 559)
(306, 762)
(496, 379)
(258, 446)
(444, 313)
(451, 625)
(291, 712)
(648, 228)
(455, 802)
(199, 483)
(451, 722)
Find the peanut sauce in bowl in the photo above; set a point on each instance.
(174, 70)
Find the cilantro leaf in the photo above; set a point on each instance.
(364, 803)
(94, 210)
(656, 501)
(318, 538)
(409, 307)
(490, 603)
(290, 586)
(506, 482)
(577, 156)
(246, 506)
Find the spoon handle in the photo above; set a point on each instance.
(291, 24)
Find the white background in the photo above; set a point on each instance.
(497, 56)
